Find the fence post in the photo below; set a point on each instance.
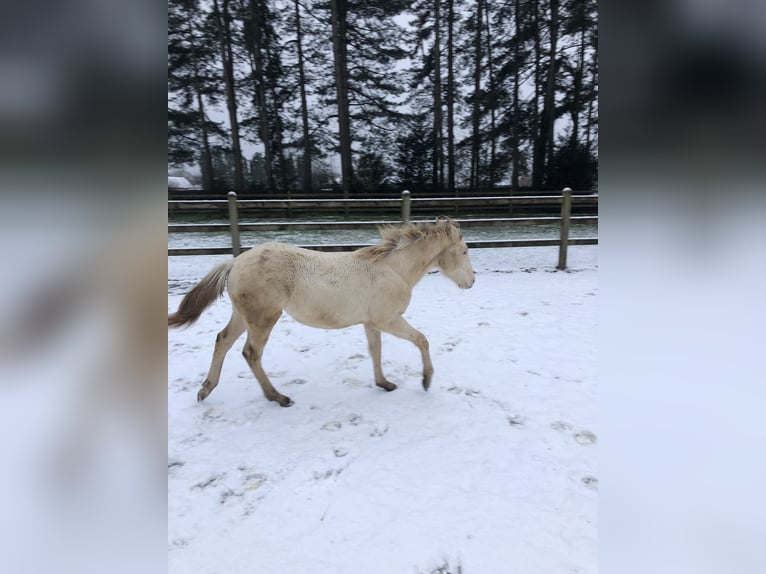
(566, 210)
(233, 223)
(406, 206)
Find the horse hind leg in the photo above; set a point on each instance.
(257, 334)
(374, 345)
(223, 342)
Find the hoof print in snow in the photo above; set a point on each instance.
(296, 382)
(516, 421)
(230, 497)
(332, 426)
(354, 419)
(379, 431)
(353, 382)
(179, 543)
(209, 482)
(483, 324)
(340, 452)
(455, 390)
(590, 482)
(175, 464)
(472, 393)
(562, 426)
(254, 481)
(449, 345)
(324, 475)
(212, 414)
(585, 437)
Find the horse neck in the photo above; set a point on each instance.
(415, 261)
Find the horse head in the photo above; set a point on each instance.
(453, 261)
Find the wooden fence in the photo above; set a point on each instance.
(404, 204)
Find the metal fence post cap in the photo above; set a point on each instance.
(405, 192)
(232, 194)
(567, 189)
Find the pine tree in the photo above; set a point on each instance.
(193, 82)
(415, 148)
(451, 97)
(271, 89)
(428, 76)
(222, 19)
(306, 183)
(338, 16)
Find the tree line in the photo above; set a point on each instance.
(442, 95)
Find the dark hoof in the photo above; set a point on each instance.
(207, 388)
(426, 383)
(285, 402)
(386, 386)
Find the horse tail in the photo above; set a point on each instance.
(201, 296)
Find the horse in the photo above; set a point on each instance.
(371, 286)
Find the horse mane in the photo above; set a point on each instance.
(401, 236)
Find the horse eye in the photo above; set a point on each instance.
(465, 252)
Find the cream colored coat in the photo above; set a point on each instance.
(371, 286)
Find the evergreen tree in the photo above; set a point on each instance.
(222, 22)
(415, 148)
(305, 141)
(573, 165)
(193, 86)
(488, 91)
(427, 76)
(271, 88)
(366, 44)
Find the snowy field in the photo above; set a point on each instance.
(492, 471)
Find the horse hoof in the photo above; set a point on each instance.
(285, 402)
(426, 383)
(386, 386)
(206, 389)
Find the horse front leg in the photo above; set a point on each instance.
(402, 329)
(374, 345)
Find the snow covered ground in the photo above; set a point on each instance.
(493, 470)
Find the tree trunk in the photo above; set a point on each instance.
(516, 114)
(227, 61)
(475, 116)
(306, 171)
(338, 10)
(256, 65)
(549, 109)
(206, 160)
(589, 120)
(277, 139)
(577, 89)
(451, 98)
(438, 175)
(538, 158)
(492, 100)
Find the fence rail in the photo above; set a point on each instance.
(404, 204)
(354, 225)
(484, 201)
(354, 247)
